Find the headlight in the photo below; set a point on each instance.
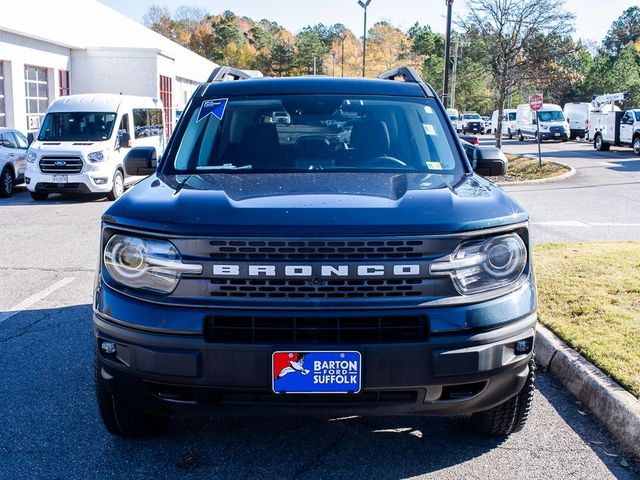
(481, 265)
(96, 156)
(31, 156)
(147, 264)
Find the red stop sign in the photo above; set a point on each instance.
(535, 102)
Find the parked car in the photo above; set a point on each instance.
(83, 140)
(509, 124)
(578, 114)
(553, 124)
(258, 277)
(472, 123)
(472, 139)
(13, 160)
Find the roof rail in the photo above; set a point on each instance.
(226, 74)
(408, 74)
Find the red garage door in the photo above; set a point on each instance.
(166, 96)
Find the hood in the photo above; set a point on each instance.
(314, 203)
(79, 148)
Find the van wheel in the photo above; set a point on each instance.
(7, 181)
(599, 144)
(636, 145)
(39, 196)
(123, 420)
(510, 135)
(520, 136)
(511, 416)
(118, 186)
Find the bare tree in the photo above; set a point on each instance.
(504, 28)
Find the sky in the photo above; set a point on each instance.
(593, 17)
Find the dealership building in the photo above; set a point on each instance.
(86, 47)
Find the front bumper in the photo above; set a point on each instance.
(76, 183)
(448, 374)
(554, 135)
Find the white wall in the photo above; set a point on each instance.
(16, 51)
(126, 71)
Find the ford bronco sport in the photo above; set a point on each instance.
(349, 262)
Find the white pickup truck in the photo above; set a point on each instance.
(615, 128)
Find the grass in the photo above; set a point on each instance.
(589, 295)
(525, 168)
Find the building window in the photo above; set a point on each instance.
(3, 112)
(65, 88)
(166, 96)
(37, 95)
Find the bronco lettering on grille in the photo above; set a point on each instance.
(399, 270)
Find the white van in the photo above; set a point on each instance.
(509, 124)
(83, 139)
(454, 116)
(578, 115)
(553, 124)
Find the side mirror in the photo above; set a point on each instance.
(124, 140)
(30, 138)
(490, 162)
(141, 161)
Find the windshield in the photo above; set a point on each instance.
(317, 133)
(77, 127)
(551, 116)
(473, 116)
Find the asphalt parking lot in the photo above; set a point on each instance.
(49, 425)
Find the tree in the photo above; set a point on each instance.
(387, 46)
(624, 30)
(504, 28)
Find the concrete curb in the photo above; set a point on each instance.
(557, 178)
(608, 401)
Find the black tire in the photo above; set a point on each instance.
(511, 416)
(520, 136)
(636, 145)
(122, 420)
(7, 182)
(510, 135)
(39, 196)
(118, 186)
(599, 144)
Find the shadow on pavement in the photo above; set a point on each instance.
(21, 196)
(52, 426)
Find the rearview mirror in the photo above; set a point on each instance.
(141, 161)
(490, 162)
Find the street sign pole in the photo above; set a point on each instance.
(535, 103)
(538, 139)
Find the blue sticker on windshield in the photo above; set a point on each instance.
(213, 107)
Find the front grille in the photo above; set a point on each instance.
(319, 329)
(310, 289)
(316, 250)
(61, 165)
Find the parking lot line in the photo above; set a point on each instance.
(35, 298)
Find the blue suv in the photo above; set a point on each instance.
(351, 260)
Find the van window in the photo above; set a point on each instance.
(512, 116)
(637, 116)
(147, 122)
(551, 116)
(77, 127)
(124, 124)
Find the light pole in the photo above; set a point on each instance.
(364, 4)
(342, 37)
(447, 53)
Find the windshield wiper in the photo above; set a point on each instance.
(226, 166)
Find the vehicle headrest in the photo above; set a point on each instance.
(370, 137)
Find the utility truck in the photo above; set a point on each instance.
(609, 126)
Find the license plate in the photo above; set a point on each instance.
(557, 134)
(60, 178)
(316, 372)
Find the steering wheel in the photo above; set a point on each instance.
(384, 161)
